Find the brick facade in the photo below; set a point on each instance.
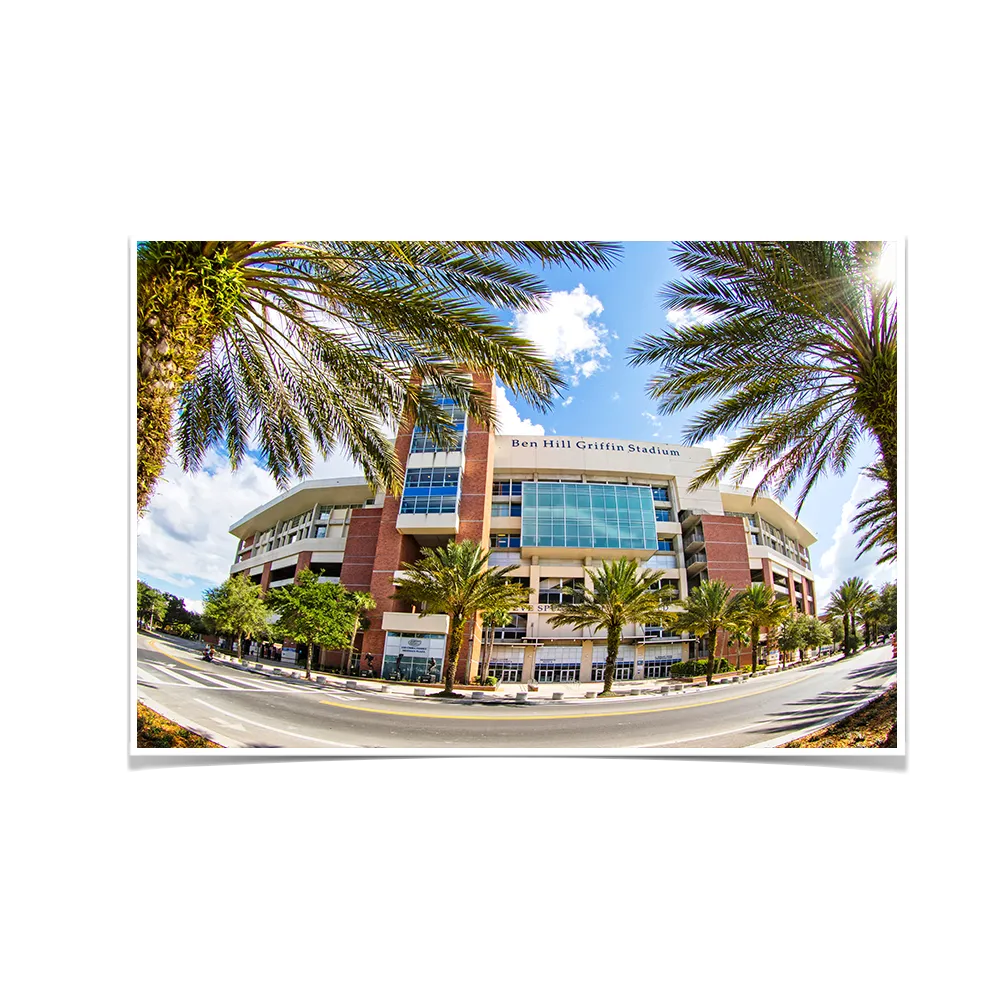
(726, 550)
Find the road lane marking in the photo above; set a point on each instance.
(264, 684)
(231, 683)
(689, 739)
(274, 729)
(189, 681)
(230, 725)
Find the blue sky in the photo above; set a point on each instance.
(591, 320)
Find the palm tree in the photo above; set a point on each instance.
(617, 594)
(459, 582)
(739, 634)
(793, 345)
(328, 342)
(492, 620)
(709, 609)
(851, 597)
(759, 608)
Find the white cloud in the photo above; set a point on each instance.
(567, 401)
(615, 396)
(508, 420)
(184, 537)
(654, 422)
(195, 604)
(839, 560)
(681, 318)
(565, 331)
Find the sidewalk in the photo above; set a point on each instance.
(505, 693)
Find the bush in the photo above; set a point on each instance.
(696, 668)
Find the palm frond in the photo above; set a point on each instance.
(794, 350)
(292, 346)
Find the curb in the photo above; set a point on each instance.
(192, 727)
(802, 733)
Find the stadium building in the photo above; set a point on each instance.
(549, 507)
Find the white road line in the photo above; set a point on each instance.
(273, 729)
(176, 676)
(200, 680)
(145, 675)
(691, 739)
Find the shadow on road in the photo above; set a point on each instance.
(873, 671)
(816, 712)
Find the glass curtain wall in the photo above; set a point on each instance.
(587, 515)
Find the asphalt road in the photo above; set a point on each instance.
(260, 712)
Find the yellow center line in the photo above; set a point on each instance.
(527, 718)
(568, 715)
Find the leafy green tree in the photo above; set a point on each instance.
(236, 607)
(790, 636)
(459, 582)
(151, 605)
(793, 347)
(815, 634)
(836, 628)
(178, 619)
(709, 609)
(616, 594)
(328, 342)
(887, 603)
(760, 609)
(316, 613)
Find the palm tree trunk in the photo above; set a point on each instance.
(454, 648)
(875, 402)
(614, 638)
(175, 329)
(711, 656)
(489, 655)
(309, 660)
(754, 649)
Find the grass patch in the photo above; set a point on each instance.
(872, 725)
(153, 730)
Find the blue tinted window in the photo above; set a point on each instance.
(588, 515)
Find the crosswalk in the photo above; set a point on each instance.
(160, 675)
(156, 674)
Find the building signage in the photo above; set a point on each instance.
(288, 654)
(415, 646)
(584, 445)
